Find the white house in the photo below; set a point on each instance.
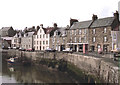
(115, 41)
(42, 38)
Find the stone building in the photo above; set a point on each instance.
(7, 32)
(27, 41)
(78, 37)
(16, 40)
(100, 36)
(58, 40)
(42, 38)
(6, 42)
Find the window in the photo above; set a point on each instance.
(105, 39)
(40, 47)
(94, 31)
(84, 38)
(43, 47)
(40, 42)
(70, 39)
(40, 31)
(43, 35)
(53, 39)
(40, 36)
(46, 42)
(105, 30)
(79, 39)
(37, 42)
(75, 32)
(94, 39)
(43, 42)
(114, 36)
(75, 39)
(80, 31)
(84, 31)
(63, 40)
(46, 35)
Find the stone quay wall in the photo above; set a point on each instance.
(106, 70)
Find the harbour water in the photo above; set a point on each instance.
(35, 74)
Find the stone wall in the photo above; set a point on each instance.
(100, 67)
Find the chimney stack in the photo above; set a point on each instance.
(55, 25)
(94, 17)
(116, 15)
(41, 25)
(72, 21)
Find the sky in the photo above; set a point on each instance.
(27, 13)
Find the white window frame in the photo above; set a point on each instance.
(75, 39)
(79, 39)
(105, 39)
(105, 30)
(94, 31)
(94, 39)
(80, 31)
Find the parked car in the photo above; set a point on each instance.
(50, 50)
(30, 49)
(14, 47)
(21, 49)
(67, 50)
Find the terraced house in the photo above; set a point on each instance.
(100, 33)
(42, 38)
(94, 34)
(58, 40)
(78, 39)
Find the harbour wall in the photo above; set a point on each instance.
(104, 69)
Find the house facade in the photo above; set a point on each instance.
(42, 38)
(78, 37)
(6, 42)
(100, 33)
(27, 40)
(7, 32)
(115, 41)
(16, 40)
(58, 40)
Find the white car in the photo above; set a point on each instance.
(14, 47)
(67, 50)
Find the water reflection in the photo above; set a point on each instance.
(33, 74)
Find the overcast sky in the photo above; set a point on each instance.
(28, 13)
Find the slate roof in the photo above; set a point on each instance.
(29, 34)
(6, 28)
(19, 34)
(84, 24)
(102, 22)
(48, 30)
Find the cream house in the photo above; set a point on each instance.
(115, 40)
(41, 38)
